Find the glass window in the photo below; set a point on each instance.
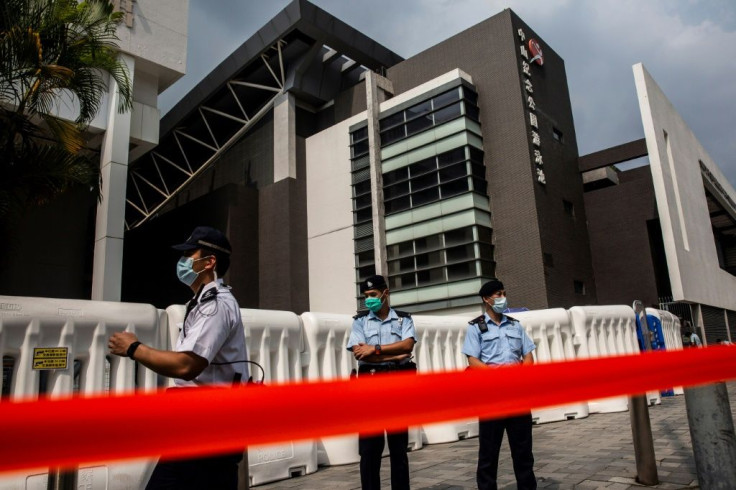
(362, 201)
(400, 249)
(461, 271)
(427, 180)
(391, 120)
(418, 110)
(472, 112)
(452, 156)
(399, 204)
(475, 154)
(393, 134)
(459, 236)
(360, 148)
(484, 234)
(423, 166)
(431, 276)
(395, 176)
(365, 258)
(425, 196)
(485, 251)
(359, 134)
(401, 265)
(454, 188)
(470, 95)
(460, 253)
(447, 113)
(365, 272)
(431, 242)
(402, 281)
(362, 187)
(487, 269)
(480, 185)
(396, 190)
(418, 124)
(478, 170)
(446, 98)
(365, 214)
(431, 259)
(453, 172)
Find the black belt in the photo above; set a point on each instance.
(385, 368)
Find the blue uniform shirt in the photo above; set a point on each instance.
(369, 329)
(506, 343)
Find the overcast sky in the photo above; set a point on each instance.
(687, 46)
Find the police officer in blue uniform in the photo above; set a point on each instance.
(495, 339)
(382, 340)
(210, 350)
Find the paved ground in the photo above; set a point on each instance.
(594, 452)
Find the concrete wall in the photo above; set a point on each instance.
(681, 202)
(330, 219)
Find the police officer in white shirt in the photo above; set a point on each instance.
(495, 339)
(210, 350)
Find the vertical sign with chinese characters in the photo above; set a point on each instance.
(536, 57)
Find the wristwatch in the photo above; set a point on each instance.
(378, 348)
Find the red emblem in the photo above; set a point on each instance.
(536, 51)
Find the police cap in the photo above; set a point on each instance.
(206, 237)
(373, 282)
(490, 287)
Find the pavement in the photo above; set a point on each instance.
(593, 452)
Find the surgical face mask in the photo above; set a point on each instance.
(374, 304)
(185, 272)
(499, 304)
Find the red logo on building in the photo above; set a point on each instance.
(536, 51)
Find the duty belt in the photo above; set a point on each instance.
(385, 368)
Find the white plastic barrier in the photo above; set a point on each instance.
(672, 335)
(326, 337)
(82, 327)
(440, 349)
(552, 333)
(605, 331)
(274, 339)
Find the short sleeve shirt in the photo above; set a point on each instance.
(370, 329)
(505, 343)
(213, 329)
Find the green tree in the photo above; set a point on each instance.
(53, 52)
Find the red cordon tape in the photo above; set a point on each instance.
(178, 423)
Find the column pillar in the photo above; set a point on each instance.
(284, 138)
(107, 271)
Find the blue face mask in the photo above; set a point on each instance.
(185, 272)
(499, 304)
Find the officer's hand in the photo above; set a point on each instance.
(119, 343)
(362, 350)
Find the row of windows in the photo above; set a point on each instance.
(450, 256)
(426, 114)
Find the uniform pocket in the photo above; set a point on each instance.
(371, 334)
(514, 338)
(489, 336)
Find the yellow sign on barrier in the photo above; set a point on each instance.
(50, 357)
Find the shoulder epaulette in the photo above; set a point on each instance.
(481, 322)
(209, 295)
(360, 314)
(403, 314)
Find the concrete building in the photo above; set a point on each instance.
(73, 248)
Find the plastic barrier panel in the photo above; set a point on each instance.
(440, 349)
(273, 339)
(672, 336)
(326, 337)
(58, 347)
(552, 333)
(605, 331)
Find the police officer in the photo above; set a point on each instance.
(494, 339)
(382, 340)
(210, 350)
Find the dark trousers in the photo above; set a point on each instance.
(371, 448)
(219, 472)
(519, 431)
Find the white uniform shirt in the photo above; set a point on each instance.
(214, 330)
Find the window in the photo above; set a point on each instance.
(447, 113)
(569, 208)
(359, 134)
(557, 134)
(579, 287)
